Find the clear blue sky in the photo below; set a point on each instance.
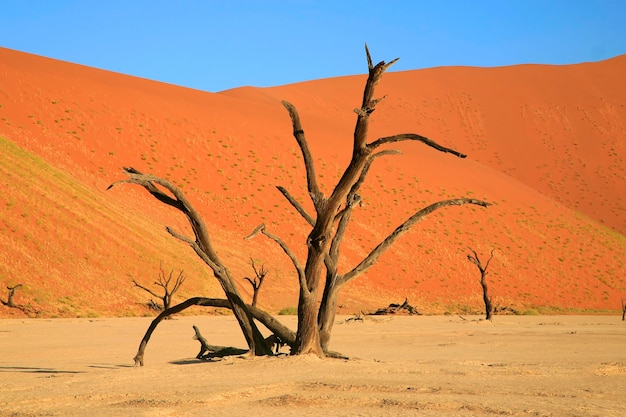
(217, 45)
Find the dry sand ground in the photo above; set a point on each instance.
(401, 366)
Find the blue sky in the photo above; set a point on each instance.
(217, 45)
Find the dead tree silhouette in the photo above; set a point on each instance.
(9, 302)
(319, 278)
(164, 283)
(257, 281)
(473, 258)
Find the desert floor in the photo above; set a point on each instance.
(401, 366)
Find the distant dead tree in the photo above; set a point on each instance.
(256, 283)
(9, 302)
(473, 258)
(319, 278)
(623, 309)
(164, 283)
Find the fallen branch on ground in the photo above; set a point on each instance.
(405, 308)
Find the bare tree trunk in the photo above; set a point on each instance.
(327, 312)
(486, 299)
(623, 309)
(483, 282)
(308, 335)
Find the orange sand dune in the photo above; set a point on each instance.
(545, 145)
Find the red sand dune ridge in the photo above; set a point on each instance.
(545, 144)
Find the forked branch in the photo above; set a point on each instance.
(179, 201)
(299, 208)
(473, 258)
(413, 137)
(352, 199)
(373, 256)
(164, 283)
(292, 256)
(257, 281)
(314, 191)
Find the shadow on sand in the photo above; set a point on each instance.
(35, 370)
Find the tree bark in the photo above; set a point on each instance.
(327, 312)
(486, 300)
(308, 335)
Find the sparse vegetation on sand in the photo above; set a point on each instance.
(555, 222)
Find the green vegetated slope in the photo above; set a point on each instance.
(74, 249)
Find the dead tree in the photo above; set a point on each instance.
(473, 258)
(276, 327)
(332, 216)
(27, 309)
(623, 309)
(164, 282)
(9, 302)
(168, 193)
(257, 281)
(319, 278)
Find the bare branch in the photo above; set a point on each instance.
(352, 199)
(415, 137)
(316, 195)
(369, 103)
(370, 64)
(476, 261)
(255, 232)
(148, 290)
(179, 281)
(373, 256)
(309, 219)
(294, 260)
(256, 283)
(179, 201)
(490, 258)
(217, 268)
(261, 272)
(146, 181)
